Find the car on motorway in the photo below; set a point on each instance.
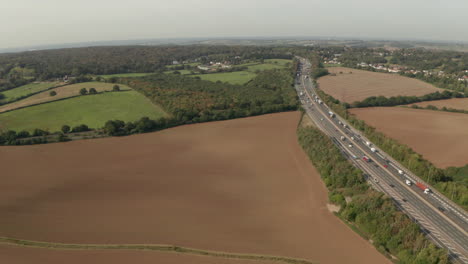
(376, 180)
(350, 145)
(366, 159)
(408, 182)
(391, 185)
(385, 166)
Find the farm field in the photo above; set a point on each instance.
(455, 103)
(62, 92)
(359, 85)
(25, 90)
(242, 185)
(21, 255)
(92, 110)
(439, 136)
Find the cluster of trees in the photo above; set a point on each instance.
(84, 91)
(12, 137)
(424, 59)
(374, 215)
(192, 100)
(456, 188)
(402, 100)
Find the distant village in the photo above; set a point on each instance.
(383, 67)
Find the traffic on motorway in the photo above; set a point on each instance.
(439, 218)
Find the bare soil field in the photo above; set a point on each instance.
(439, 136)
(22, 255)
(356, 85)
(62, 92)
(242, 186)
(455, 103)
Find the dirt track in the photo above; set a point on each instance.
(240, 186)
(358, 85)
(439, 136)
(455, 103)
(20, 255)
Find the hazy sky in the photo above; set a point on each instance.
(37, 22)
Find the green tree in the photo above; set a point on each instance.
(65, 129)
(83, 91)
(53, 93)
(92, 91)
(116, 88)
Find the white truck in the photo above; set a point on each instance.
(342, 138)
(400, 172)
(331, 114)
(373, 150)
(368, 143)
(408, 182)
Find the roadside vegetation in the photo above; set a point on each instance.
(373, 215)
(452, 182)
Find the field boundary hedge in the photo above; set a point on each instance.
(151, 247)
(370, 213)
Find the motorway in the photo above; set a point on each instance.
(440, 219)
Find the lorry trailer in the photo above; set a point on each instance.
(423, 187)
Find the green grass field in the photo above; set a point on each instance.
(27, 89)
(281, 62)
(122, 75)
(239, 77)
(264, 66)
(92, 110)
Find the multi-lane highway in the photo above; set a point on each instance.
(440, 219)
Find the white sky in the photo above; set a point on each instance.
(37, 22)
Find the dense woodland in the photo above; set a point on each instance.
(374, 215)
(19, 68)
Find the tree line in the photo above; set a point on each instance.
(402, 100)
(447, 181)
(372, 213)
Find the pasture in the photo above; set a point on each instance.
(350, 85)
(439, 136)
(31, 88)
(62, 92)
(92, 110)
(242, 185)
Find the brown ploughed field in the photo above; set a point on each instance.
(439, 136)
(359, 85)
(242, 186)
(455, 103)
(22, 255)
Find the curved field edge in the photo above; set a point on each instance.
(92, 110)
(151, 247)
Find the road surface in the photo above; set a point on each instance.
(440, 219)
